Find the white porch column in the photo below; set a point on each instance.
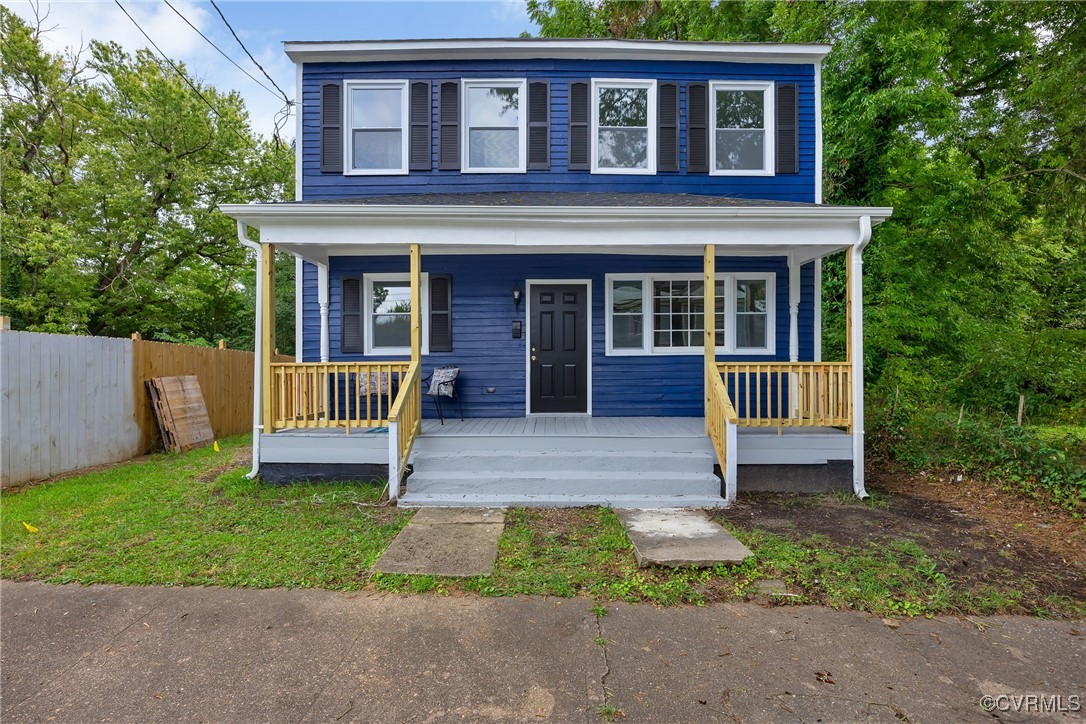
(299, 328)
(322, 302)
(793, 330)
(818, 310)
(856, 337)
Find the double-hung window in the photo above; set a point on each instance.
(624, 126)
(665, 314)
(387, 306)
(495, 126)
(742, 123)
(376, 114)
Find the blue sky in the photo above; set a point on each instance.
(263, 26)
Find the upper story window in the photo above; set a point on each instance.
(376, 134)
(742, 129)
(494, 126)
(624, 126)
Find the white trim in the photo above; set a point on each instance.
(322, 304)
(367, 313)
(857, 310)
(299, 328)
(528, 342)
(729, 279)
(348, 129)
(650, 120)
(818, 310)
(577, 49)
(794, 291)
(522, 127)
(769, 121)
(298, 133)
(818, 131)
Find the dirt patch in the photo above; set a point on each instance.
(982, 536)
(242, 457)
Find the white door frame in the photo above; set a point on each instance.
(587, 283)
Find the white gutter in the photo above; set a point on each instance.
(255, 213)
(258, 376)
(368, 51)
(857, 331)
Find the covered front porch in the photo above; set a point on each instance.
(790, 392)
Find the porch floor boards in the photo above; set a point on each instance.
(566, 426)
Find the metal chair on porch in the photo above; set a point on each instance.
(443, 384)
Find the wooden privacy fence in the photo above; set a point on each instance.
(71, 402)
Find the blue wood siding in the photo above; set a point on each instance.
(788, 187)
(483, 312)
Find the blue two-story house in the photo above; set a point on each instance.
(610, 251)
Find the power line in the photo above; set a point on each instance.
(221, 51)
(258, 65)
(179, 72)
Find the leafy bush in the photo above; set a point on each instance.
(1041, 462)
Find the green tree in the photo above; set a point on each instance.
(114, 167)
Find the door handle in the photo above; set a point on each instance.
(533, 358)
(533, 349)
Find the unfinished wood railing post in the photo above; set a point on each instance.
(416, 303)
(709, 324)
(267, 334)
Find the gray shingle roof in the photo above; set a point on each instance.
(560, 198)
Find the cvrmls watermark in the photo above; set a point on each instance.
(1032, 703)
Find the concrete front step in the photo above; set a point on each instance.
(535, 462)
(507, 500)
(430, 482)
(514, 445)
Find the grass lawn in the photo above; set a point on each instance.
(194, 519)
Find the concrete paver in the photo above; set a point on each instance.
(680, 537)
(104, 653)
(445, 542)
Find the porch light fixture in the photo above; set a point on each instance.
(516, 296)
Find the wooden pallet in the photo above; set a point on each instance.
(179, 408)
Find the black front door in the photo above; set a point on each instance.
(559, 348)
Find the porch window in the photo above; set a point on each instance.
(494, 126)
(376, 137)
(388, 314)
(742, 138)
(664, 314)
(624, 132)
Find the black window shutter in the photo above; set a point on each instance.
(579, 107)
(448, 134)
(787, 128)
(331, 128)
(440, 313)
(350, 314)
(539, 126)
(667, 135)
(419, 141)
(697, 127)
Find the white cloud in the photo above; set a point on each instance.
(75, 24)
(510, 11)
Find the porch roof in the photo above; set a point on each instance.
(557, 222)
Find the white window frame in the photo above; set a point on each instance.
(650, 119)
(769, 122)
(348, 129)
(522, 128)
(367, 313)
(648, 346)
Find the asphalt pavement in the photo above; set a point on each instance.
(109, 653)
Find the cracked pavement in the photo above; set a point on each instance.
(110, 653)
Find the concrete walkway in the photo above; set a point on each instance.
(679, 537)
(445, 542)
(104, 653)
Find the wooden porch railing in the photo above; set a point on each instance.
(721, 420)
(404, 425)
(790, 394)
(340, 394)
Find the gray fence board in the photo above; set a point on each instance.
(67, 403)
